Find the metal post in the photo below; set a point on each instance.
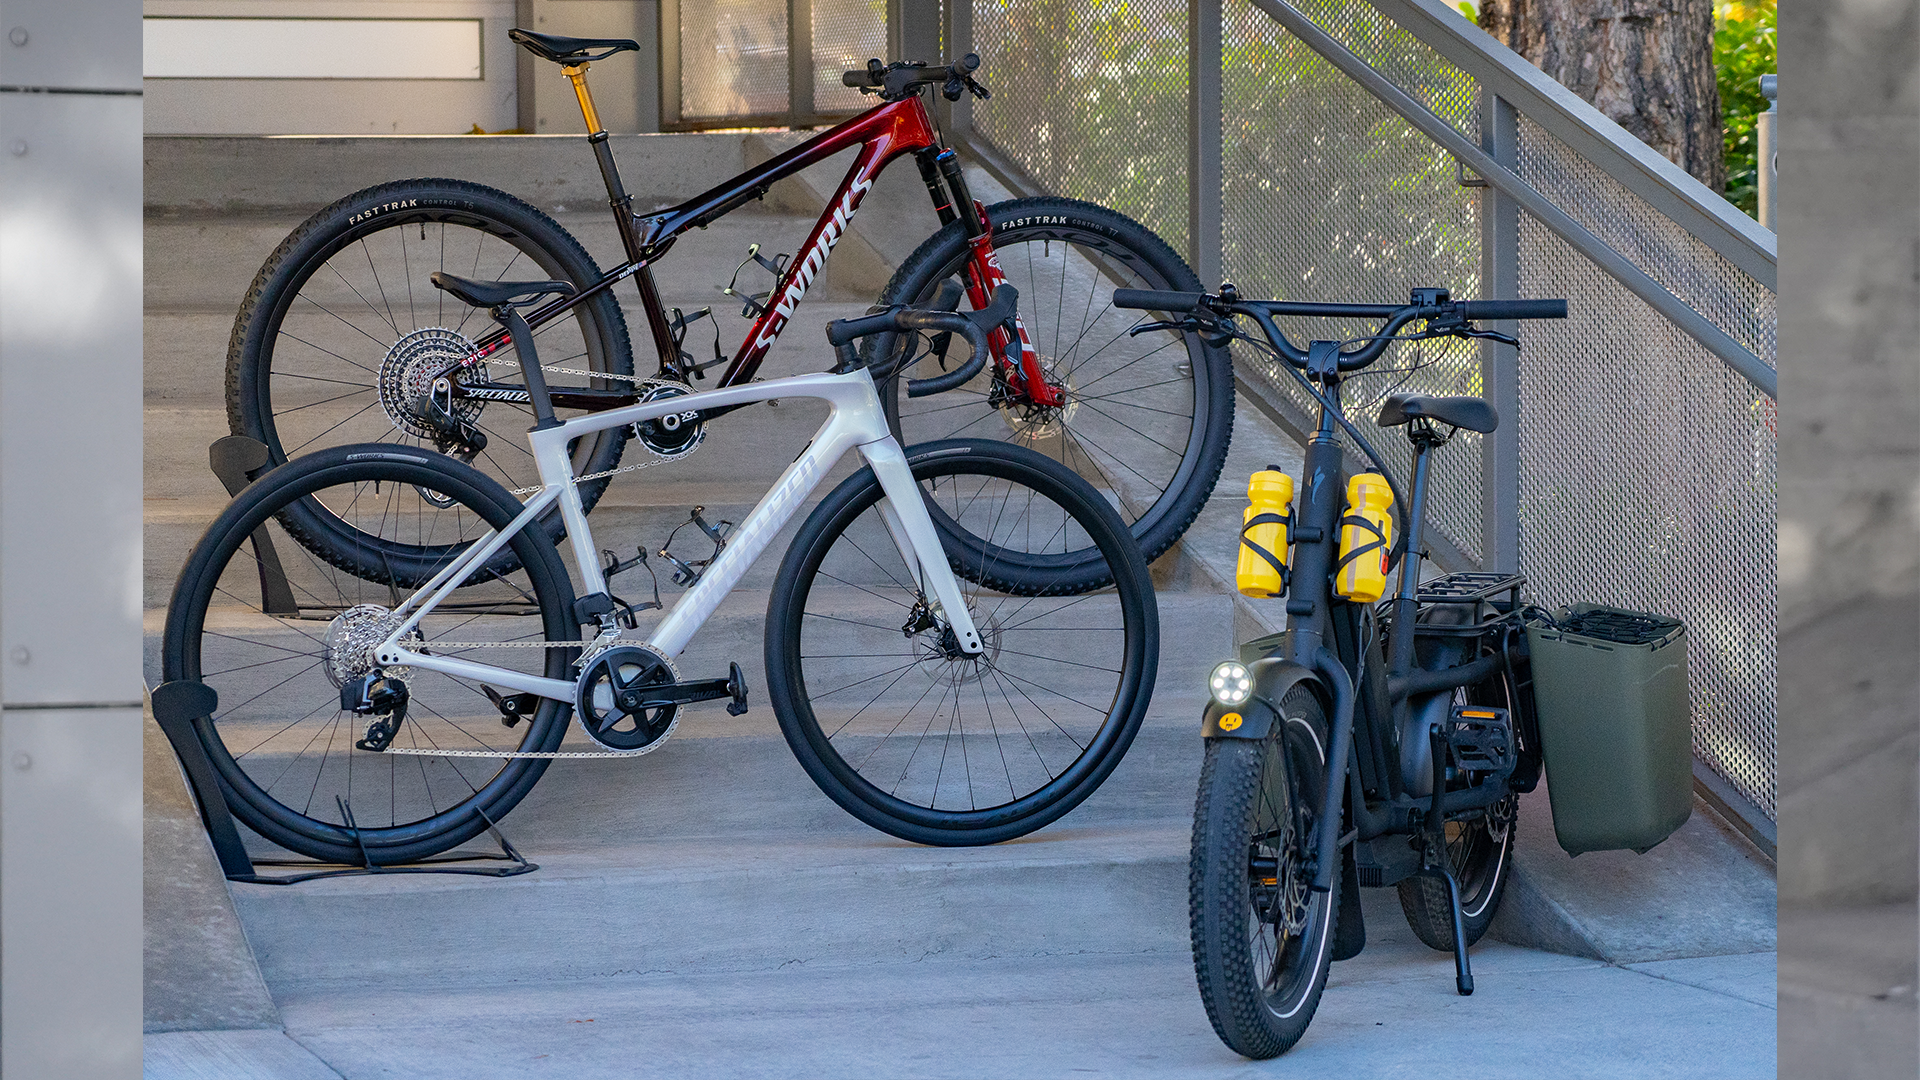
(1205, 230)
(1500, 364)
(1765, 134)
(800, 62)
(913, 30)
(913, 33)
(958, 36)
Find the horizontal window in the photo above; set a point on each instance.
(312, 48)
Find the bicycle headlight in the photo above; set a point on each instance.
(1231, 683)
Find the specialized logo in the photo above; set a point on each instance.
(1230, 721)
(401, 204)
(831, 231)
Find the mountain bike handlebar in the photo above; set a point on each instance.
(897, 80)
(1432, 306)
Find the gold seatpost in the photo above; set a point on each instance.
(617, 196)
(578, 73)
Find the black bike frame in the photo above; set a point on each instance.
(1324, 631)
(883, 133)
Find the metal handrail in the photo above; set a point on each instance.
(1699, 327)
(1665, 186)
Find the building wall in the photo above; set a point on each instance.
(341, 106)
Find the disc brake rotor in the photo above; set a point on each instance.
(1036, 423)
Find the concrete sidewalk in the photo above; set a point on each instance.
(1390, 1012)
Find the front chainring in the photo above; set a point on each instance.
(622, 672)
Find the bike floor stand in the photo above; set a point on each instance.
(176, 707)
(234, 459)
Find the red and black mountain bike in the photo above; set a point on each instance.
(342, 339)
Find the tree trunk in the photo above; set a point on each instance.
(1646, 64)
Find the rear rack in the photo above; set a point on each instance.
(1471, 588)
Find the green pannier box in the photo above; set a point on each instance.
(1611, 687)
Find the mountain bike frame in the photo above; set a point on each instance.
(883, 134)
(855, 421)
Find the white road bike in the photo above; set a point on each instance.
(933, 652)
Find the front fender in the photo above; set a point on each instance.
(1273, 677)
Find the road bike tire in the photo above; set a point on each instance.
(345, 300)
(1261, 981)
(882, 712)
(1479, 853)
(1152, 437)
(279, 741)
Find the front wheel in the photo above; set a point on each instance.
(892, 720)
(1262, 939)
(1145, 419)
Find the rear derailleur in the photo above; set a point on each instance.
(383, 700)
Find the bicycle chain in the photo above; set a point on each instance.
(641, 382)
(588, 649)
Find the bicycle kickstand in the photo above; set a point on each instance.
(1436, 855)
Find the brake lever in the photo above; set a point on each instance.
(1216, 333)
(1490, 335)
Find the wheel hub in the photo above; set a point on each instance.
(352, 637)
(1032, 422)
(407, 376)
(940, 658)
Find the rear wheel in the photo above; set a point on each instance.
(1262, 939)
(341, 332)
(276, 631)
(1479, 854)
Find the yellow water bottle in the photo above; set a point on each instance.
(1366, 538)
(1264, 533)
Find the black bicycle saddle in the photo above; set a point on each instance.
(1471, 413)
(495, 293)
(570, 50)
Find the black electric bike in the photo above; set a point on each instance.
(1369, 743)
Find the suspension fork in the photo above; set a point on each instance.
(941, 170)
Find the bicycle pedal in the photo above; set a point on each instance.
(1481, 738)
(512, 706)
(737, 687)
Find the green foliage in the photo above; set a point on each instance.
(1743, 50)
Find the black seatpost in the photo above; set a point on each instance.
(1400, 660)
(522, 335)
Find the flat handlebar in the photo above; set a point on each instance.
(1430, 306)
(875, 73)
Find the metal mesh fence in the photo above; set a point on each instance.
(1329, 195)
(1648, 482)
(1670, 255)
(1090, 100)
(846, 33)
(733, 59)
(1646, 465)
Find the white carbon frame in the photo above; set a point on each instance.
(854, 422)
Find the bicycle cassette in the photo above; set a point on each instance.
(612, 702)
